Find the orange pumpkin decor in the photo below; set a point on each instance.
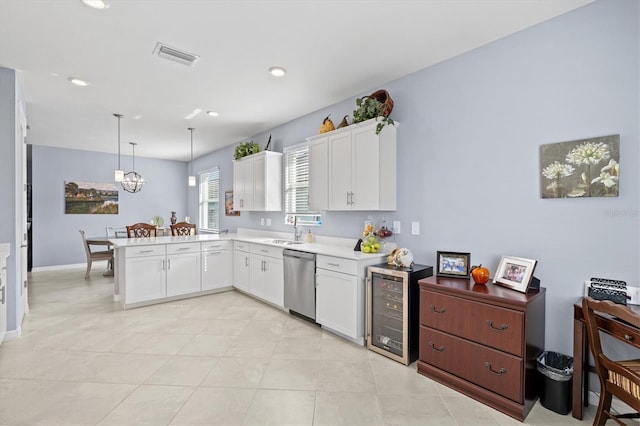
(480, 274)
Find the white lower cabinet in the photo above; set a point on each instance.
(217, 265)
(3, 299)
(266, 277)
(337, 295)
(241, 265)
(183, 269)
(146, 276)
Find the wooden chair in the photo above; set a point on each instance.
(617, 378)
(95, 255)
(141, 230)
(183, 228)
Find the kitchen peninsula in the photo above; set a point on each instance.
(161, 269)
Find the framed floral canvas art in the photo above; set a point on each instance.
(581, 168)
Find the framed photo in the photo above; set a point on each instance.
(228, 204)
(453, 264)
(515, 273)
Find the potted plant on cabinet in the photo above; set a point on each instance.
(377, 105)
(246, 148)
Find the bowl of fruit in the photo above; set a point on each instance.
(370, 244)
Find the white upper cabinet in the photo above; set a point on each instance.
(353, 168)
(257, 182)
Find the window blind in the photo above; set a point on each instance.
(210, 199)
(296, 179)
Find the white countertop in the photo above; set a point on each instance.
(330, 246)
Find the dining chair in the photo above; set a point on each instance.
(183, 228)
(116, 232)
(617, 378)
(141, 230)
(95, 255)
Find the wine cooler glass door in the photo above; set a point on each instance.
(389, 313)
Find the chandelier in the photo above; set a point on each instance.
(133, 182)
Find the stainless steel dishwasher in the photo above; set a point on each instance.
(300, 282)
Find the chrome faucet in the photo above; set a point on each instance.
(296, 235)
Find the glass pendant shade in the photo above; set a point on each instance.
(119, 175)
(192, 181)
(132, 181)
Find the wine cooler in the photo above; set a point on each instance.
(393, 316)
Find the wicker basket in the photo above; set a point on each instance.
(384, 98)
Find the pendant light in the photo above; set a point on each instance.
(192, 178)
(119, 173)
(133, 182)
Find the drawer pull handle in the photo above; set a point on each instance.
(440, 349)
(184, 248)
(264, 251)
(145, 251)
(628, 337)
(442, 311)
(503, 327)
(333, 264)
(492, 371)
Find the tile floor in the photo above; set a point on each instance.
(223, 359)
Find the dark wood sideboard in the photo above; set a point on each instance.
(483, 341)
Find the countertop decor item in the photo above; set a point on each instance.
(377, 105)
(480, 274)
(246, 148)
(453, 264)
(516, 273)
(157, 221)
(174, 219)
(327, 125)
(344, 122)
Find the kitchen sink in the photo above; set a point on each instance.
(285, 242)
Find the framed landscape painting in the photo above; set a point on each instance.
(90, 198)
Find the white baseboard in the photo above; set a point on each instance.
(12, 335)
(59, 267)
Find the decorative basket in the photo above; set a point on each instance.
(384, 98)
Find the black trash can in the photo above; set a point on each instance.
(557, 372)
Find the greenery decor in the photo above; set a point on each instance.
(369, 108)
(246, 148)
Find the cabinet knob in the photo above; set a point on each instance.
(628, 337)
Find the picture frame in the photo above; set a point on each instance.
(515, 273)
(228, 204)
(453, 264)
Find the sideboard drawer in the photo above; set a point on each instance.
(489, 368)
(494, 326)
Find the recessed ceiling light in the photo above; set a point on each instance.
(78, 82)
(97, 4)
(137, 117)
(193, 114)
(277, 71)
(53, 74)
(212, 113)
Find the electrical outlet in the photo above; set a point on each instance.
(634, 292)
(268, 221)
(396, 227)
(262, 221)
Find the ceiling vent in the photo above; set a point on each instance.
(173, 54)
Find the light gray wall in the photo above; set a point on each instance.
(56, 240)
(468, 154)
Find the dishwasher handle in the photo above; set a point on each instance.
(302, 255)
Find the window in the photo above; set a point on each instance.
(210, 199)
(296, 179)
